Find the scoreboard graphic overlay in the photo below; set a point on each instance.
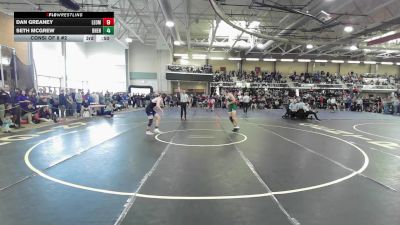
(63, 26)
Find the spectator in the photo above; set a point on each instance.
(78, 99)
(5, 100)
(85, 110)
(109, 110)
(45, 114)
(62, 103)
(27, 112)
(23, 100)
(396, 105)
(55, 102)
(7, 122)
(70, 111)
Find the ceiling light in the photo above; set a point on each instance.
(235, 59)
(337, 61)
(184, 61)
(269, 60)
(199, 56)
(260, 45)
(309, 46)
(325, 13)
(287, 60)
(321, 60)
(398, 63)
(386, 63)
(369, 62)
(169, 23)
(390, 33)
(304, 60)
(217, 58)
(252, 59)
(354, 62)
(353, 48)
(180, 54)
(380, 36)
(254, 24)
(128, 40)
(348, 29)
(177, 43)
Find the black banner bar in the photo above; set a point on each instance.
(189, 77)
(32, 22)
(58, 30)
(53, 15)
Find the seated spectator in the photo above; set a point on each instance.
(85, 109)
(26, 113)
(109, 110)
(45, 115)
(23, 100)
(7, 122)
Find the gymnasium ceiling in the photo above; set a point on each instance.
(270, 28)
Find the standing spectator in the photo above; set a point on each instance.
(79, 100)
(62, 103)
(102, 100)
(107, 97)
(69, 106)
(347, 103)
(359, 104)
(396, 105)
(5, 100)
(55, 102)
(14, 94)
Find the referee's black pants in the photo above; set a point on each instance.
(183, 109)
(245, 107)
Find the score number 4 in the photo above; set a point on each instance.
(108, 26)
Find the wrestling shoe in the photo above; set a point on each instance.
(157, 131)
(236, 129)
(149, 132)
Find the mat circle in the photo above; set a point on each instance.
(356, 128)
(192, 145)
(223, 197)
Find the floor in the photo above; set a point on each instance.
(343, 170)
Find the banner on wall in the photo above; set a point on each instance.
(222, 69)
(258, 70)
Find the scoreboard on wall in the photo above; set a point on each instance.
(63, 26)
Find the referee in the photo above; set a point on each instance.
(246, 102)
(184, 98)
